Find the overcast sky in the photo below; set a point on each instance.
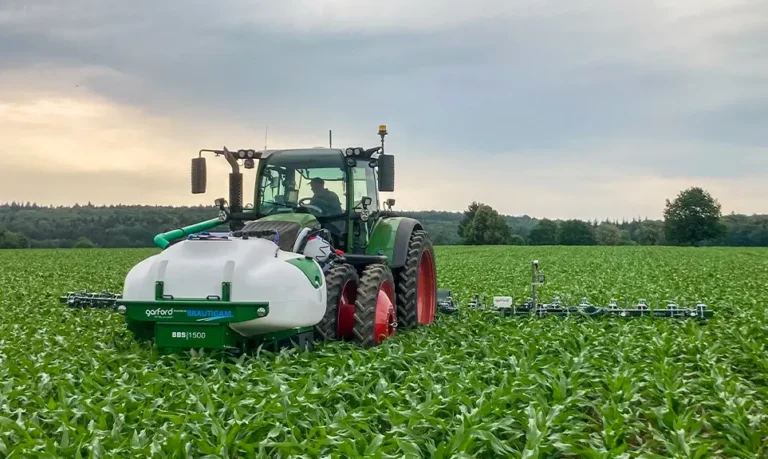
(569, 109)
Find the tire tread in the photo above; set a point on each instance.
(407, 280)
(326, 329)
(365, 307)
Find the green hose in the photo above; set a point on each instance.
(163, 240)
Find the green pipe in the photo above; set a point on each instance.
(163, 240)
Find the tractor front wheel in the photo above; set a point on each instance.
(341, 284)
(417, 283)
(375, 318)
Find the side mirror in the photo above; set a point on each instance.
(386, 173)
(198, 175)
(390, 202)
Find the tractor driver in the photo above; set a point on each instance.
(324, 198)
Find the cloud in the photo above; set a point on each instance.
(527, 184)
(662, 93)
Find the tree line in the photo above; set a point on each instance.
(693, 218)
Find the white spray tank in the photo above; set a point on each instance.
(256, 268)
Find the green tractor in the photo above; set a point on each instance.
(317, 256)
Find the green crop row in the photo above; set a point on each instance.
(73, 383)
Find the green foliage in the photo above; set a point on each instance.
(608, 234)
(692, 218)
(626, 238)
(576, 232)
(649, 233)
(12, 240)
(84, 243)
(136, 226)
(73, 383)
(466, 220)
(487, 227)
(745, 230)
(544, 233)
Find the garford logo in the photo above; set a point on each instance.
(159, 312)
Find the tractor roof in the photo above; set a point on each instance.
(305, 157)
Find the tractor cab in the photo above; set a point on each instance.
(317, 188)
(318, 182)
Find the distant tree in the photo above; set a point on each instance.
(487, 228)
(115, 225)
(466, 221)
(608, 234)
(745, 231)
(693, 218)
(544, 233)
(84, 243)
(626, 238)
(516, 239)
(12, 240)
(576, 232)
(649, 232)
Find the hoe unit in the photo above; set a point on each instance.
(531, 307)
(317, 256)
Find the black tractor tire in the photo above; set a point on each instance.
(335, 279)
(408, 280)
(371, 281)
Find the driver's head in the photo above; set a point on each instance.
(317, 184)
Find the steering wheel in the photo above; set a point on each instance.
(307, 204)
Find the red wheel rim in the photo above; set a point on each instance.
(426, 294)
(384, 318)
(346, 319)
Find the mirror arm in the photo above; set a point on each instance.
(232, 161)
(235, 179)
(227, 155)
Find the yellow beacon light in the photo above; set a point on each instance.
(382, 129)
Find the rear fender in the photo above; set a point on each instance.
(390, 238)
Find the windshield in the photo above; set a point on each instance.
(303, 180)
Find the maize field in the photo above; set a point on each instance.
(74, 383)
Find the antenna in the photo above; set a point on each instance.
(265, 137)
(330, 138)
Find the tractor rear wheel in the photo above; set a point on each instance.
(417, 283)
(341, 284)
(375, 318)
